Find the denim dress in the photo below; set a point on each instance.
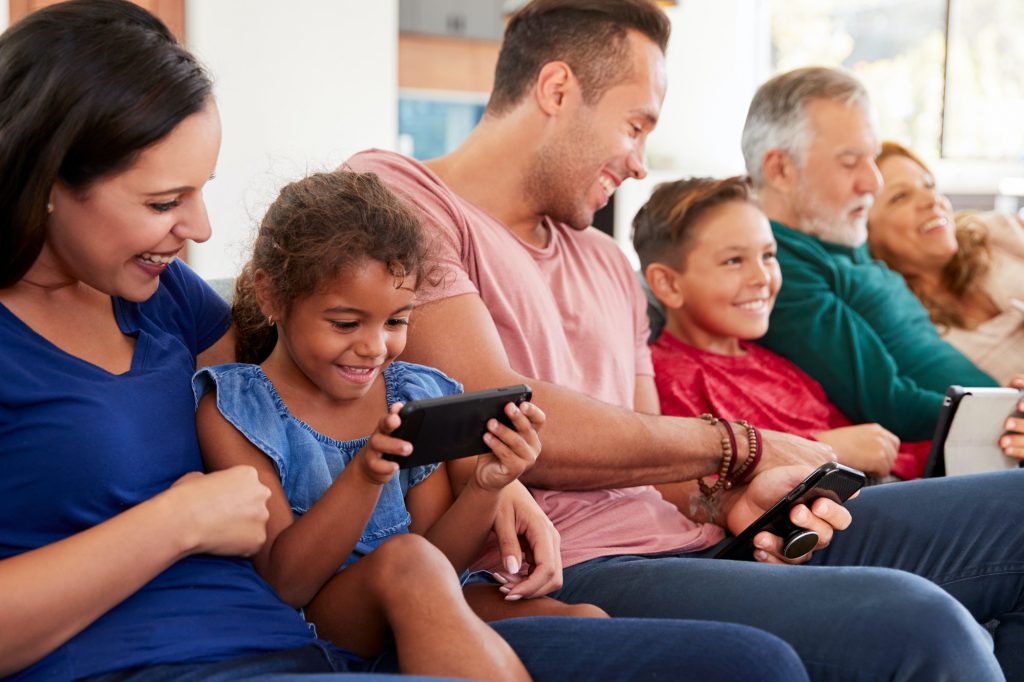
(307, 462)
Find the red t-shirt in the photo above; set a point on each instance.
(767, 390)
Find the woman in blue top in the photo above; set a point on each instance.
(117, 555)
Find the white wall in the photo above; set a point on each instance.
(5, 14)
(301, 85)
(718, 55)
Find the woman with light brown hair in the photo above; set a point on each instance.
(967, 269)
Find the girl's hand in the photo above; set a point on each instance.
(372, 466)
(512, 452)
(225, 511)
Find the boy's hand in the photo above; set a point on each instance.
(512, 451)
(372, 466)
(868, 447)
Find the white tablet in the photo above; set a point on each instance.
(967, 434)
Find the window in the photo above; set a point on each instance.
(956, 93)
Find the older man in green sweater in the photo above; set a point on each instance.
(809, 143)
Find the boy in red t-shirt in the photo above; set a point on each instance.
(708, 255)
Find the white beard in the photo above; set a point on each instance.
(836, 227)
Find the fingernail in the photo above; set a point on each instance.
(1011, 425)
(512, 564)
(1004, 443)
(823, 508)
(505, 589)
(513, 597)
(801, 515)
(760, 555)
(761, 542)
(499, 577)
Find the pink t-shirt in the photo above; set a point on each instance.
(762, 387)
(571, 313)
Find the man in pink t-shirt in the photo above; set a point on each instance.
(529, 293)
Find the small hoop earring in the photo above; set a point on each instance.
(270, 320)
(49, 207)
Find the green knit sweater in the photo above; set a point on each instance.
(853, 325)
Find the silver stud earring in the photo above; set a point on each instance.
(49, 207)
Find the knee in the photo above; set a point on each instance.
(584, 611)
(408, 554)
(921, 619)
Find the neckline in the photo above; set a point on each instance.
(389, 381)
(553, 232)
(141, 340)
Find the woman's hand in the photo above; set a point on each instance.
(371, 464)
(868, 447)
(226, 511)
(824, 516)
(512, 451)
(520, 518)
(1012, 442)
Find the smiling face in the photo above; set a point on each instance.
(599, 146)
(729, 280)
(120, 234)
(837, 181)
(911, 224)
(339, 339)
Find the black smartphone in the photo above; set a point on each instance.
(831, 480)
(453, 426)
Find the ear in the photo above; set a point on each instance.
(266, 295)
(780, 171)
(554, 82)
(664, 283)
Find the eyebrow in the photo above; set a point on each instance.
(179, 190)
(176, 190)
(647, 115)
(359, 311)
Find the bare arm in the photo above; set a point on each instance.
(221, 352)
(299, 556)
(460, 527)
(588, 444)
(219, 514)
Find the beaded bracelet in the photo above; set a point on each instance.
(745, 471)
(728, 445)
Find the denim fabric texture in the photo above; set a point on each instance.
(904, 593)
(307, 461)
(552, 649)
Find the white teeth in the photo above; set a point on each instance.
(359, 370)
(933, 223)
(752, 305)
(157, 259)
(607, 185)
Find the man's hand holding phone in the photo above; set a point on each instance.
(823, 516)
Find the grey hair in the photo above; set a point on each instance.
(777, 118)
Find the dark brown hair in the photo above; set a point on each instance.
(84, 87)
(318, 228)
(588, 35)
(964, 270)
(663, 227)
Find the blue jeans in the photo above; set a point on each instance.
(900, 595)
(555, 649)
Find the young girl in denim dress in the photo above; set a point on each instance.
(361, 546)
